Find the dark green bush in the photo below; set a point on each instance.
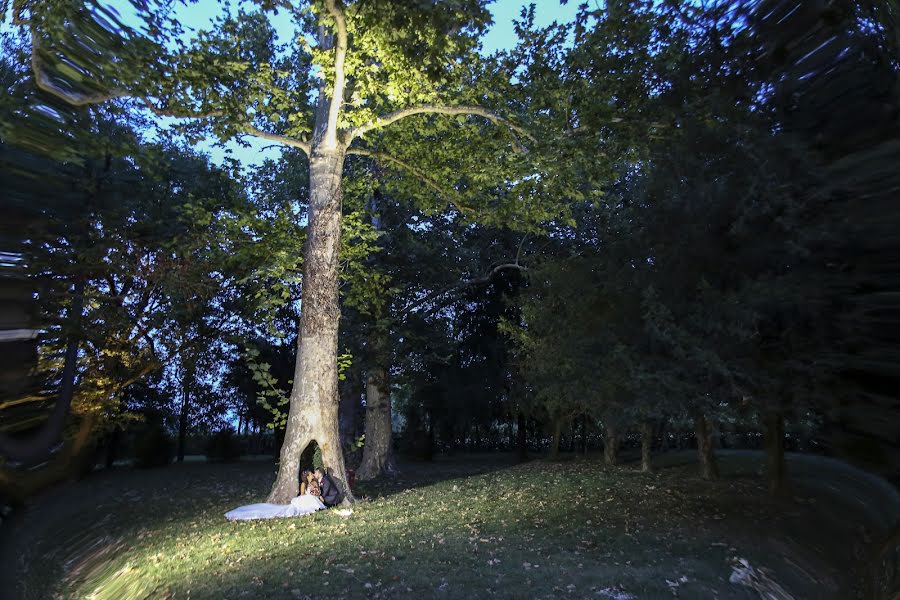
(223, 446)
(154, 448)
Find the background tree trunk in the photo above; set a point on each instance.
(521, 438)
(611, 443)
(775, 465)
(428, 452)
(349, 403)
(709, 469)
(378, 449)
(313, 413)
(584, 434)
(664, 435)
(646, 446)
(184, 411)
(554, 442)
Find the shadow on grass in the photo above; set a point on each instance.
(418, 474)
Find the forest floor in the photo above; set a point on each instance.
(461, 527)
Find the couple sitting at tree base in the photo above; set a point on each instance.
(317, 491)
(320, 486)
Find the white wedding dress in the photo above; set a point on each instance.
(301, 505)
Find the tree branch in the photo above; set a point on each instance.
(459, 285)
(340, 80)
(274, 137)
(418, 173)
(18, 13)
(395, 116)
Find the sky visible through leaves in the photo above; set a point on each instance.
(501, 36)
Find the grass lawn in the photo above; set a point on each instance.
(472, 526)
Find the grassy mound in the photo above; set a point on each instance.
(469, 528)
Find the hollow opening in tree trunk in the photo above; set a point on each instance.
(311, 457)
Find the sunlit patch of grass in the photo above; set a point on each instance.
(536, 530)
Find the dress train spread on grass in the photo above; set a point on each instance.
(301, 505)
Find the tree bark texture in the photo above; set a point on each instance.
(378, 450)
(313, 414)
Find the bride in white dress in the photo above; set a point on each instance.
(307, 502)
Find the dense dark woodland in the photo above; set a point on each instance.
(661, 227)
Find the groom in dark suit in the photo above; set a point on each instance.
(331, 493)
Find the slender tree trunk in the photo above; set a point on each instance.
(646, 446)
(378, 449)
(554, 442)
(611, 443)
(313, 414)
(775, 464)
(522, 438)
(704, 434)
(183, 412)
(428, 454)
(584, 434)
(182, 430)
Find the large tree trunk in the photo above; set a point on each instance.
(313, 414)
(521, 438)
(775, 466)
(378, 450)
(646, 446)
(554, 442)
(704, 434)
(611, 443)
